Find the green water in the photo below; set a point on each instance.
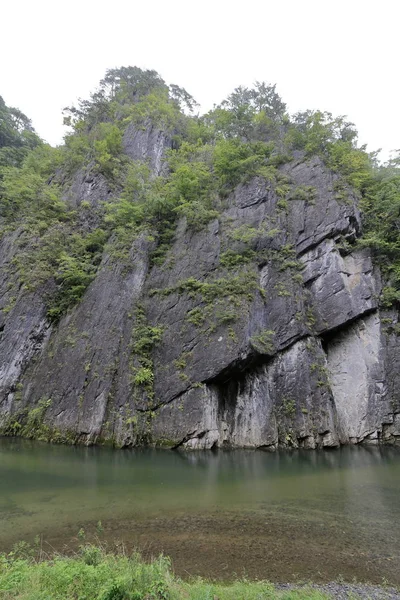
(281, 516)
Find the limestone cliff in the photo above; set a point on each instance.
(286, 348)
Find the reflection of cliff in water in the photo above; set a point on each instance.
(332, 511)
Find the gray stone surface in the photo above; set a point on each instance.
(355, 359)
(288, 350)
(325, 216)
(342, 288)
(24, 330)
(89, 187)
(80, 369)
(286, 402)
(147, 144)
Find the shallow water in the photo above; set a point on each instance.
(281, 516)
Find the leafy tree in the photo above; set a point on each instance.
(125, 85)
(265, 98)
(250, 113)
(131, 83)
(316, 131)
(17, 136)
(27, 190)
(381, 216)
(182, 98)
(235, 160)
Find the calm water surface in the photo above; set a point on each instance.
(280, 516)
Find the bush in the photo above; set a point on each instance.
(235, 161)
(94, 574)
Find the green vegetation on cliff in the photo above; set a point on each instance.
(17, 136)
(380, 205)
(248, 135)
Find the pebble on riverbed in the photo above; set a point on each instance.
(355, 591)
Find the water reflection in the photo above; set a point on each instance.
(332, 512)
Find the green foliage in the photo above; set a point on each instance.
(191, 178)
(203, 166)
(236, 161)
(354, 164)
(26, 192)
(30, 423)
(289, 407)
(245, 233)
(381, 211)
(334, 139)
(129, 94)
(119, 87)
(143, 376)
(199, 131)
(192, 186)
(286, 258)
(222, 300)
(144, 338)
(100, 148)
(248, 135)
(155, 204)
(36, 415)
(73, 277)
(69, 259)
(50, 246)
(250, 114)
(306, 193)
(198, 174)
(77, 151)
(316, 131)
(196, 317)
(263, 342)
(231, 259)
(182, 362)
(156, 107)
(197, 214)
(132, 209)
(244, 284)
(17, 136)
(92, 573)
(107, 148)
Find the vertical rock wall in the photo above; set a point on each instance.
(287, 349)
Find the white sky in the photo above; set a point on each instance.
(335, 55)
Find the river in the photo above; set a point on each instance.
(281, 516)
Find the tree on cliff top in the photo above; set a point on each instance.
(17, 135)
(249, 134)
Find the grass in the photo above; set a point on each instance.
(95, 574)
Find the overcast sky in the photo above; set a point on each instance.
(341, 56)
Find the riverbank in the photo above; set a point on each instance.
(92, 573)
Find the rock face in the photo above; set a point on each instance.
(147, 144)
(266, 329)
